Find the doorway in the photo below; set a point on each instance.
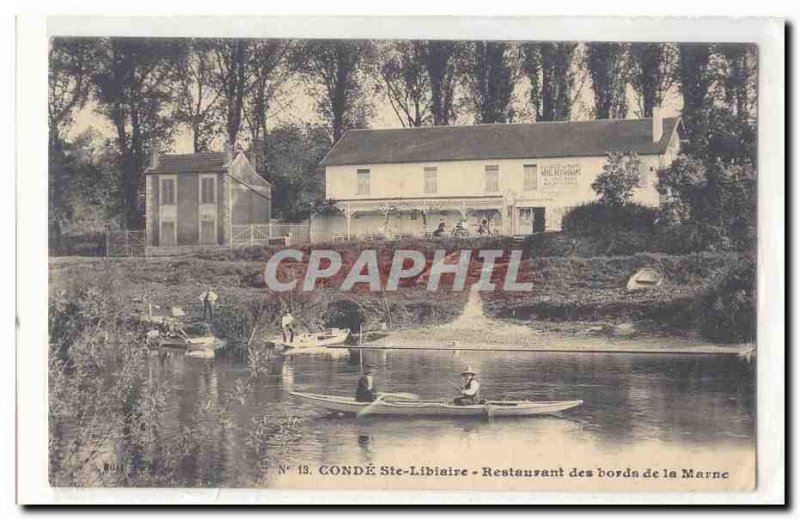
(531, 220)
(538, 220)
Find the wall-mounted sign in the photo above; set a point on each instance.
(560, 175)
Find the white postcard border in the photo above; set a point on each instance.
(32, 262)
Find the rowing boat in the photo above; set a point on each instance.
(440, 408)
(325, 338)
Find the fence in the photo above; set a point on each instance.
(132, 243)
(272, 233)
(125, 243)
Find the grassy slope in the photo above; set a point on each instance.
(566, 288)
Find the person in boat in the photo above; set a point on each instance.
(365, 391)
(287, 326)
(209, 299)
(469, 389)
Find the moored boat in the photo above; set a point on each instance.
(434, 408)
(325, 338)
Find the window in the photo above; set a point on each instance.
(531, 177)
(492, 178)
(363, 182)
(208, 190)
(431, 179)
(208, 229)
(167, 237)
(167, 191)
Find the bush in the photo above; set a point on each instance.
(596, 218)
(727, 312)
(620, 175)
(78, 244)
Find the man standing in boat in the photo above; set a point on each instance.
(209, 299)
(469, 390)
(287, 321)
(365, 392)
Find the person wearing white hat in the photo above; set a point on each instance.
(470, 389)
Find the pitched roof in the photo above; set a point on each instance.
(499, 141)
(205, 162)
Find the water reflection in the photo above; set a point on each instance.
(632, 402)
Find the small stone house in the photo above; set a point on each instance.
(202, 200)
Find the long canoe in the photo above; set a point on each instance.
(440, 408)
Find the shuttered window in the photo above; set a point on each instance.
(363, 182)
(208, 190)
(167, 191)
(492, 177)
(431, 179)
(531, 177)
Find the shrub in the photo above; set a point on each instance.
(596, 218)
(713, 206)
(727, 312)
(619, 177)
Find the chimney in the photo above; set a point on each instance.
(658, 124)
(228, 148)
(255, 148)
(154, 160)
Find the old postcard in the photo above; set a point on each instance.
(281, 259)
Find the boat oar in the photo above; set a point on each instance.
(370, 407)
(374, 404)
(406, 396)
(457, 387)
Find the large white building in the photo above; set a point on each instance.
(521, 178)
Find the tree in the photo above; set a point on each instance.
(549, 70)
(270, 72)
(607, 66)
(198, 101)
(722, 135)
(714, 204)
(652, 73)
(335, 71)
(618, 179)
(75, 181)
(489, 78)
(291, 157)
(441, 64)
(739, 79)
(231, 77)
(696, 79)
(135, 87)
(71, 65)
(406, 82)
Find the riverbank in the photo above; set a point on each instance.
(578, 304)
(473, 330)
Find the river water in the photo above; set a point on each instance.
(639, 409)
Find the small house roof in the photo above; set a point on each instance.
(500, 141)
(204, 162)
